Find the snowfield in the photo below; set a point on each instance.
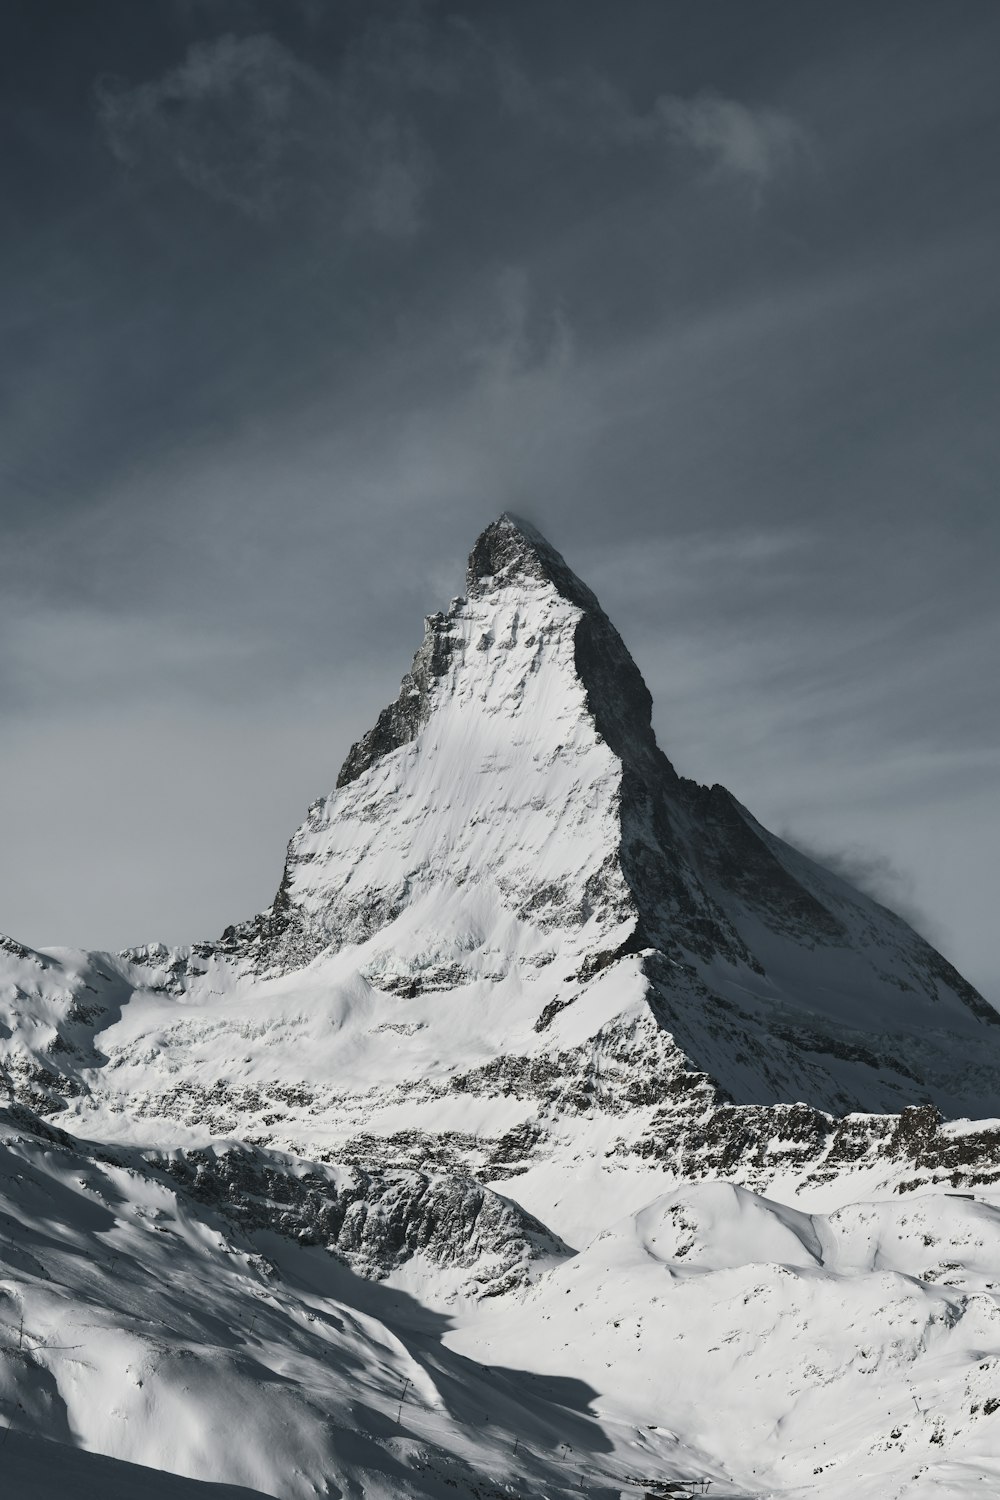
(557, 1127)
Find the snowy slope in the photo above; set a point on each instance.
(45, 1470)
(137, 1321)
(851, 1354)
(714, 1333)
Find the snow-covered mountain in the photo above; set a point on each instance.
(512, 812)
(520, 983)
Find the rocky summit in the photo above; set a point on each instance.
(530, 1017)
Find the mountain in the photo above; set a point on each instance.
(514, 800)
(512, 938)
(530, 1018)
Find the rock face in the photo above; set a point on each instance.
(376, 1221)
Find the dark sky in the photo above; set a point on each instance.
(298, 296)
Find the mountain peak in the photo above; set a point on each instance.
(508, 563)
(510, 553)
(512, 550)
(509, 547)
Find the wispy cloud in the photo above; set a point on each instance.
(754, 144)
(875, 874)
(245, 121)
(736, 140)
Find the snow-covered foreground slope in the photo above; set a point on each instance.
(520, 981)
(712, 1334)
(856, 1354)
(140, 1322)
(45, 1470)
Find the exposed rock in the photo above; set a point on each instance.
(375, 1220)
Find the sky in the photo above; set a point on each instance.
(298, 295)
